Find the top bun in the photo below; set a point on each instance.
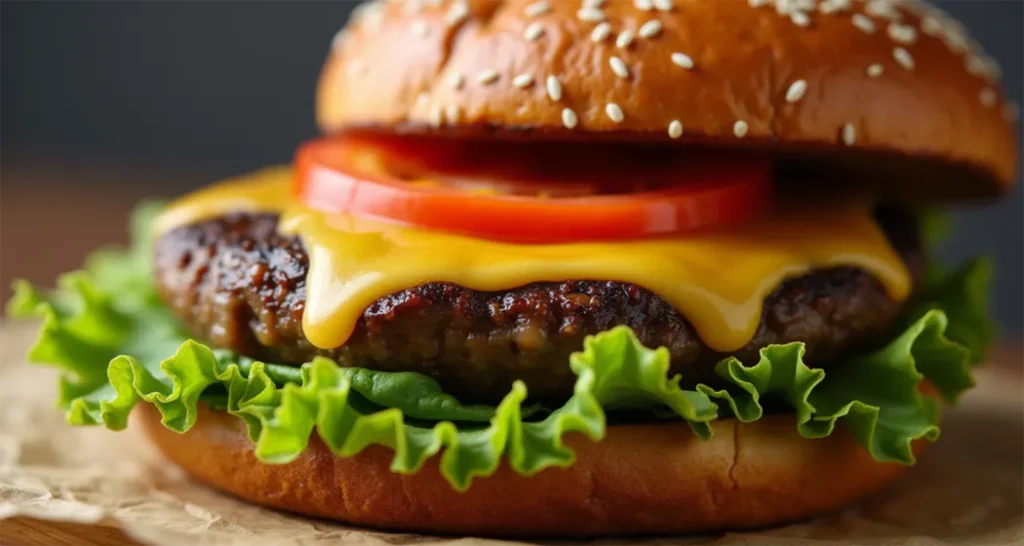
(877, 76)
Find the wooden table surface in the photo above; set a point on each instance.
(38, 245)
(21, 531)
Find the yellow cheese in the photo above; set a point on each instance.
(717, 280)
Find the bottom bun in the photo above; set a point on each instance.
(641, 479)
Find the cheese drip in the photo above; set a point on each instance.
(717, 280)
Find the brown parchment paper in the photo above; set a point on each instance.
(968, 489)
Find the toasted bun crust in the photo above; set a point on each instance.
(400, 67)
(645, 479)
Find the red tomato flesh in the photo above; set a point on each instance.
(548, 195)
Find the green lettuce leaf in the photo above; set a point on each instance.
(962, 294)
(116, 346)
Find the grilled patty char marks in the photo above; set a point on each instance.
(239, 284)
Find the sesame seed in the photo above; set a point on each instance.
(931, 26)
(618, 67)
(663, 5)
(593, 3)
(523, 80)
(953, 26)
(456, 14)
(457, 80)
(862, 22)
(800, 19)
(453, 113)
(421, 100)
(649, 29)
(904, 34)
(849, 134)
(537, 8)
(983, 67)
(420, 28)
(835, 6)
(436, 116)
(1011, 112)
(683, 60)
(487, 76)
(758, 3)
(569, 118)
(675, 129)
(988, 97)
(796, 91)
(643, 5)
(785, 7)
(625, 38)
(903, 57)
(954, 37)
(992, 69)
(600, 32)
(554, 88)
(883, 9)
(740, 129)
(975, 65)
(614, 112)
(533, 31)
(590, 15)
(875, 70)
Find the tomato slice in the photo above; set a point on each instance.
(448, 187)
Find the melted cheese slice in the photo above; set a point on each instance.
(717, 280)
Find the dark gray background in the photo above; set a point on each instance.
(224, 87)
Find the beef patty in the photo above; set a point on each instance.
(239, 284)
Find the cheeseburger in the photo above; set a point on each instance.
(566, 268)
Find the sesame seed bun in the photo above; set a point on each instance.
(641, 479)
(841, 75)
